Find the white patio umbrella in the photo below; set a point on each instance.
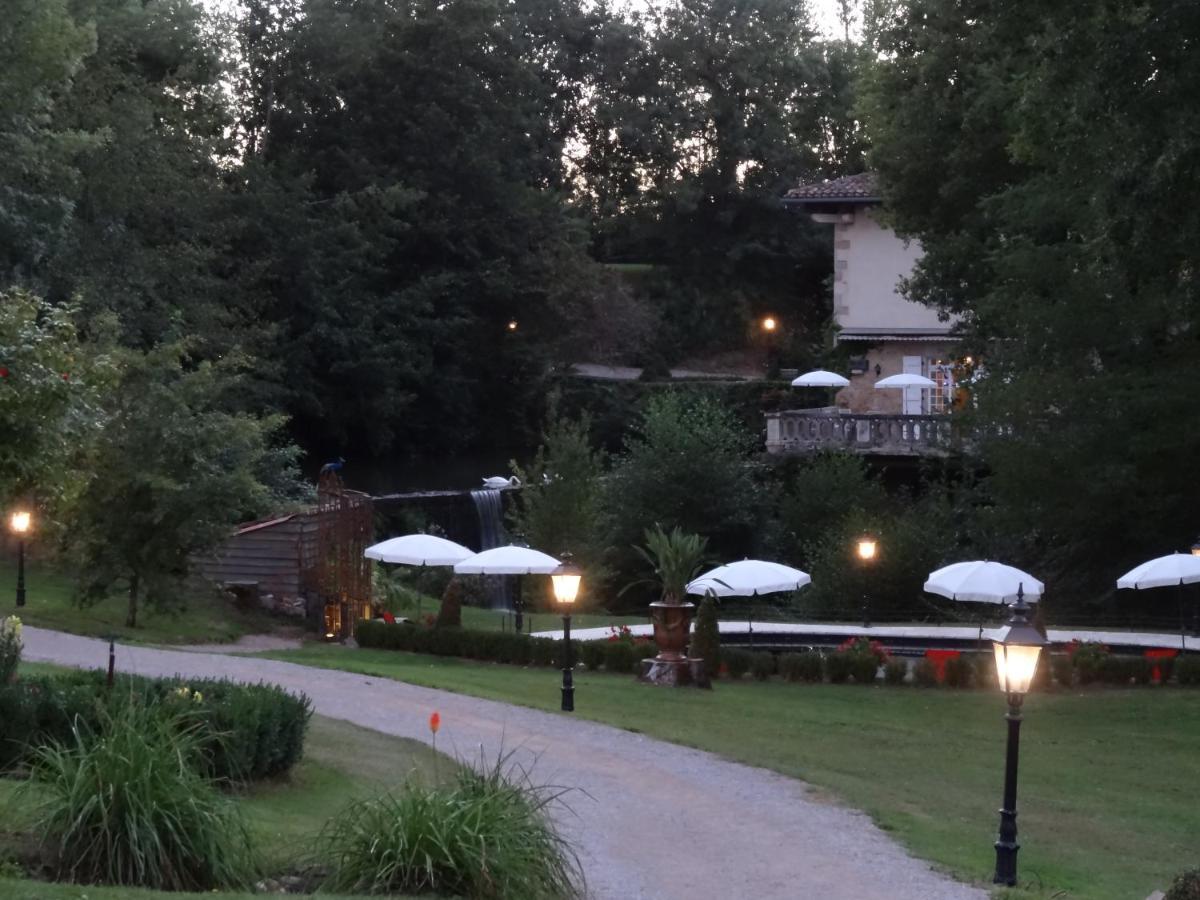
(820, 378)
(510, 560)
(749, 578)
(905, 380)
(1174, 570)
(1166, 571)
(984, 581)
(418, 550)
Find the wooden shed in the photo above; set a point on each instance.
(273, 559)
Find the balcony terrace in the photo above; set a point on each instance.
(798, 431)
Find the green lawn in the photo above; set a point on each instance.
(341, 762)
(1107, 808)
(206, 619)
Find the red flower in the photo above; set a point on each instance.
(3, 371)
(435, 722)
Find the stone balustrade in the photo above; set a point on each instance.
(880, 434)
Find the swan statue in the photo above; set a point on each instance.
(500, 483)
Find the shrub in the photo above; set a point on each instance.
(957, 672)
(644, 650)
(592, 654)
(838, 667)
(1165, 666)
(762, 665)
(925, 673)
(618, 656)
(984, 670)
(1187, 669)
(450, 612)
(542, 650)
(801, 667)
(485, 836)
(737, 661)
(706, 639)
(1088, 659)
(10, 648)
(127, 805)
(895, 671)
(252, 731)
(1064, 670)
(1186, 886)
(864, 667)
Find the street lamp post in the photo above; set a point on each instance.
(20, 525)
(566, 580)
(867, 548)
(1017, 648)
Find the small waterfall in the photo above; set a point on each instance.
(489, 506)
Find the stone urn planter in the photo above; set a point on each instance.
(672, 632)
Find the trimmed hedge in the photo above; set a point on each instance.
(255, 731)
(762, 665)
(487, 646)
(802, 667)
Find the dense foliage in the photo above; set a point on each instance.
(1044, 156)
(251, 732)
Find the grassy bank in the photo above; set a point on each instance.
(1102, 813)
(203, 618)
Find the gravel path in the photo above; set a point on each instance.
(653, 821)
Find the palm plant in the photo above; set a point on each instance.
(675, 557)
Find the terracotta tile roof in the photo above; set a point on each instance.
(861, 188)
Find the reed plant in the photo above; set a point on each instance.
(485, 835)
(125, 803)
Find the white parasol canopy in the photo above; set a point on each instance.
(905, 380)
(820, 378)
(1165, 571)
(418, 550)
(510, 560)
(749, 578)
(983, 581)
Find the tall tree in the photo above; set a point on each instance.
(1044, 156)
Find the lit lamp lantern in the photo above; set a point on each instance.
(20, 522)
(1017, 647)
(566, 579)
(866, 547)
(770, 323)
(1196, 549)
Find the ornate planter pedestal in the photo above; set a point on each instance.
(672, 631)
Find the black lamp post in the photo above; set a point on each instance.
(1017, 648)
(20, 525)
(867, 547)
(566, 580)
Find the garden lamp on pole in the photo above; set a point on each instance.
(20, 522)
(866, 548)
(566, 580)
(1017, 647)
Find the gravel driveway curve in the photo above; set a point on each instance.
(657, 822)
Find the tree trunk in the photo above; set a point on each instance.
(131, 617)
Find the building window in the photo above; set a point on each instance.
(940, 398)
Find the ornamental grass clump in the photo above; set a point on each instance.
(485, 836)
(126, 804)
(10, 648)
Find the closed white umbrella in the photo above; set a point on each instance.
(749, 578)
(510, 560)
(983, 581)
(905, 381)
(820, 378)
(418, 550)
(1165, 571)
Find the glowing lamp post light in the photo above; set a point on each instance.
(566, 580)
(867, 547)
(1017, 647)
(20, 522)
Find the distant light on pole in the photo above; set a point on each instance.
(20, 522)
(867, 547)
(1017, 648)
(512, 324)
(566, 579)
(769, 323)
(1196, 548)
